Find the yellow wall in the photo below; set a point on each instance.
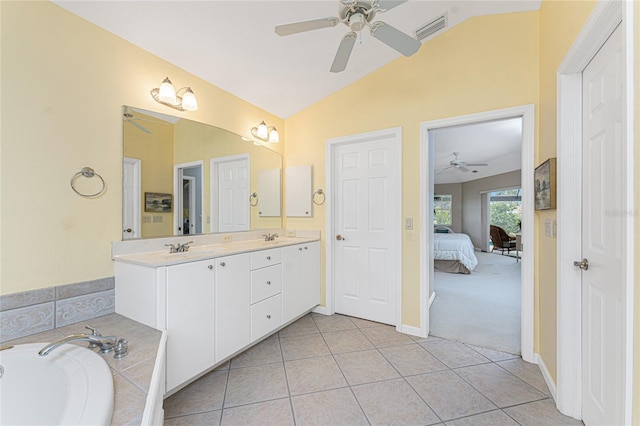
(560, 23)
(482, 64)
(64, 82)
(636, 363)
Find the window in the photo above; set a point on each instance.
(506, 209)
(442, 210)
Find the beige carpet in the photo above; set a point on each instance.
(482, 308)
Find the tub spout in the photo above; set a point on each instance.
(105, 343)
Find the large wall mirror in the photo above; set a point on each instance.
(184, 177)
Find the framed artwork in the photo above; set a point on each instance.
(157, 203)
(545, 185)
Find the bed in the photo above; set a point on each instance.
(453, 253)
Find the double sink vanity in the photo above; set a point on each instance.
(223, 295)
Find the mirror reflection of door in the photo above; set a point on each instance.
(230, 183)
(188, 199)
(131, 197)
(188, 210)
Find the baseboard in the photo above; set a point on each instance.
(321, 310)
(432, 298)
(545, 373)
(411, 330)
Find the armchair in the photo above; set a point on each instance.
(501, 240)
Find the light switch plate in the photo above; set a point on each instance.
(408, 223)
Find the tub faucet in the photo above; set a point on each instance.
(105, 343)
(270, 237)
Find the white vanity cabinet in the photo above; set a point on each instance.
(189, 320)
(233, 304)
(213, 308)
(301, 279)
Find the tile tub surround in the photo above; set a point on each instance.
(335, 370)
(131, 374)
(30, 312)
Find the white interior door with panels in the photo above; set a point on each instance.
(131, 196)
(365, 232)
(595, 195)
(230, 184)
(191, 171)
(603, 236)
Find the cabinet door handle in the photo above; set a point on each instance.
(268, 282)
(306, 248)
(210, 266)
(300, 248)
(268, 316)
(268, 257)
(223, 264)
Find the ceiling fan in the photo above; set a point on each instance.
(357, 14)
(461, 165)
(128, 117)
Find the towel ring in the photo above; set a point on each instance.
(87, 172)
(321, 193)
(251, 198)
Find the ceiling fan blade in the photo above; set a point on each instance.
(389, 4)
(395, 38)
(344, 52)
(443, 170)
(462, 168)
(139, 126)
(475, 164)
(300, 27)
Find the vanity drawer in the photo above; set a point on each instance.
(266, 316)
(262, 258)
(266, 282)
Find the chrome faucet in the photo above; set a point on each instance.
(105, 343)
(270, 237)
(178, 248)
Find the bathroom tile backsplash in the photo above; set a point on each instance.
(30, 312)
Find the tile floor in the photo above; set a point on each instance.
(339, 370)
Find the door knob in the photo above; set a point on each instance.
(340, 237)
(584, 264)
(128, 230)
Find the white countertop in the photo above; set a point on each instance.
(207, 251)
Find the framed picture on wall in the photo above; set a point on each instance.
(545, 185)
(156, 202)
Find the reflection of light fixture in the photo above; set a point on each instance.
(264, 133)
(168, 96)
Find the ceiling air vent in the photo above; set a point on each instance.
(431, 27)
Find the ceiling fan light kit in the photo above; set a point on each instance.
(357, 14)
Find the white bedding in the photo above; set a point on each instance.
(454, 247)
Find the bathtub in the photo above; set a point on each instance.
(71, 386)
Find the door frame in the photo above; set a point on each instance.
(605, 17)
(214, 190)
(177, 189)
(137, 195)
(526, 112)
(395, 135)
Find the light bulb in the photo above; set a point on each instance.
(274, 137)
(262, 131)
(189, 102)
(167, 93)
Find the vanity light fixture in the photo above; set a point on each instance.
(264, 133)
(167, 95)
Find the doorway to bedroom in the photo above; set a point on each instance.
(475, 178)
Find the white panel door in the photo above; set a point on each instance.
(131, 199)
(367, 226)
(233, 196)
(603, 237)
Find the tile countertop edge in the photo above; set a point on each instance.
(156, 387)
(162, 258)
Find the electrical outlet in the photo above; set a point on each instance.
(226, 238)
(291, 233)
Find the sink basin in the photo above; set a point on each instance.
(195, 254)
(71, 386)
